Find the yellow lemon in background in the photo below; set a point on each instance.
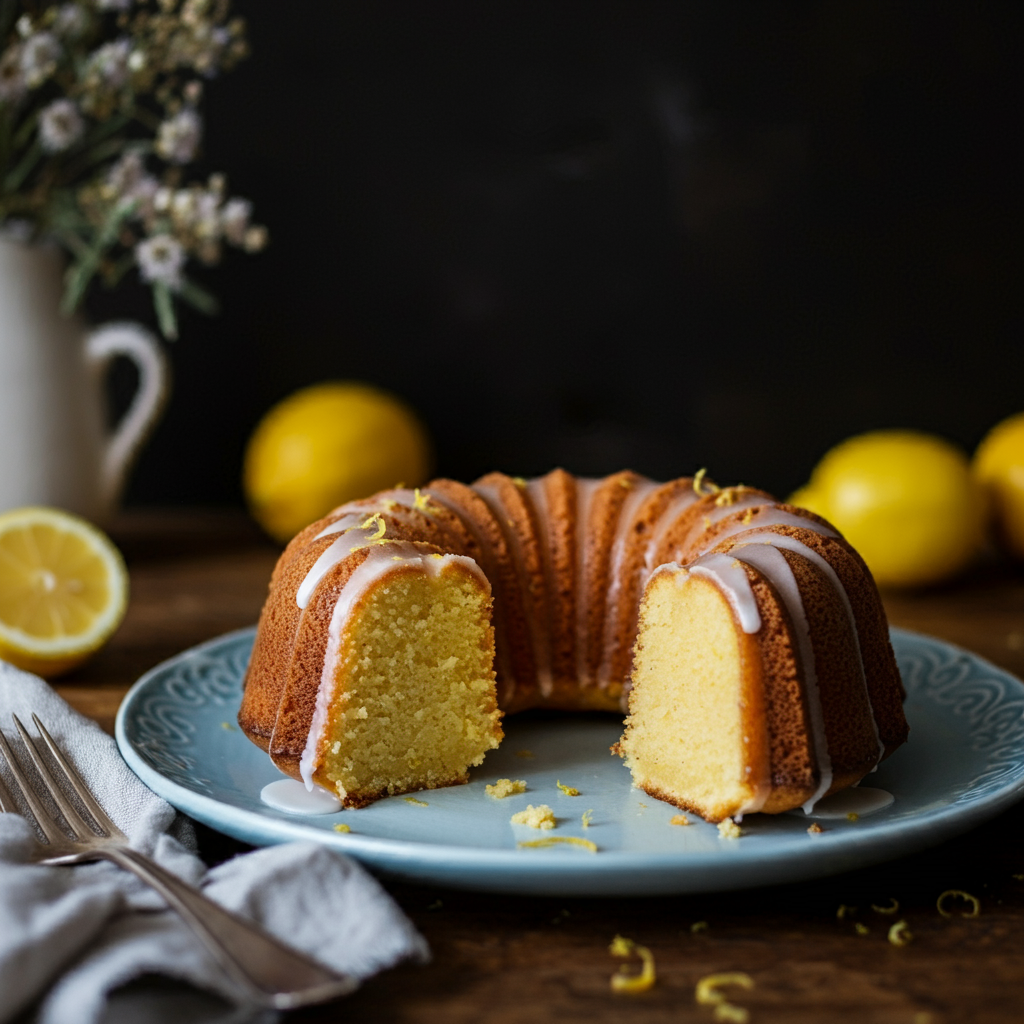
(326, 445)
(63, 590)
(999, 467)
(905, 500)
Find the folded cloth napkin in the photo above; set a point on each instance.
(78, 933)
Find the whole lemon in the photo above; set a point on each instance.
(999, 467)
(905, 500)
(325, 445)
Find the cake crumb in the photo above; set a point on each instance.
(505, 787)
(525, 753)
(707, 994)
(540, 816)
(679, 819)
(586, 844)
(698, 926)
(342, 828)
(728, 829)
(894, 908)
(628, 983)
(861, 929)
(416, 803)
(900, 934)
(959, 894)
(567, 790)
(815, 829)
(588, 817)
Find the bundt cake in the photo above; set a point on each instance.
(744, 637)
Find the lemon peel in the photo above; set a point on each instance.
(624, 982)
(900, 934)
(959, 894)
(707, 994)
(416, 803)
(699, 482)
(584, 844)
(887, 910)
(567, 790)
(381, 527)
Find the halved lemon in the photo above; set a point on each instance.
(63, 590)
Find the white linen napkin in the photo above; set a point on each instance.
(78, 933)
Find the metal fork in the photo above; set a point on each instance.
(264, 971)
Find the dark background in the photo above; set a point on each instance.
(599, 235)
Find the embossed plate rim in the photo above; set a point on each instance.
(770, 857)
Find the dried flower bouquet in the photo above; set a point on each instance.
(99, 115)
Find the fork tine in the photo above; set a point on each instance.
(46, 823)
(7, 805)
(80, 828)
(81, 789)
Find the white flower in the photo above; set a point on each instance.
(128, 180)
(160, 259)
(256, 239)
(110, 62)
(234, 219)
(70, 21)
(137, 60)
(24, 26)
(39, 56)
(183, 208)
(60, 126)
(178, 137)
(12, 81)
(113, 5)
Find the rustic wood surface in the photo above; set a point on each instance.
(520, 960)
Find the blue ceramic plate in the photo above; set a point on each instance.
(964, 763)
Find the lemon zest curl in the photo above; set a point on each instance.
(632, 983)
(585, 844)
(959, 894)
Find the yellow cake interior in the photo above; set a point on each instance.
(414, 707)
(685, 731)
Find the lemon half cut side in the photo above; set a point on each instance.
(63, 590)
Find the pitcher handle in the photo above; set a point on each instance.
(140, 346)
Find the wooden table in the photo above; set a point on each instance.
(518, 960)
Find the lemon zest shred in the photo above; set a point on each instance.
(1020, 878)
(588, 817)
(707, 994)
(584, 844)
(381, 527)
(567, 790)
(853, 816)
(342, 828)
(844, 910)
(528, 754)
(420, 500)
(699, 482)
(416, 803)
(861, 929)
(726, 497)
(959, 894)
(900, 934)
(625, 982)
(229, 726)
(520, 482)
(698, 926)
(748, 517)
(887, 910)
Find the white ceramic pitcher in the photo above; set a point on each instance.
(54, 449)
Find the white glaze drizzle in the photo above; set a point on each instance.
(772, 516)
(665, 523)
(769, 561)
(585, 489)
(332, 555)
(781, 540)
(541, 651)
(630, 506)
(731, 577)
(381, 560)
